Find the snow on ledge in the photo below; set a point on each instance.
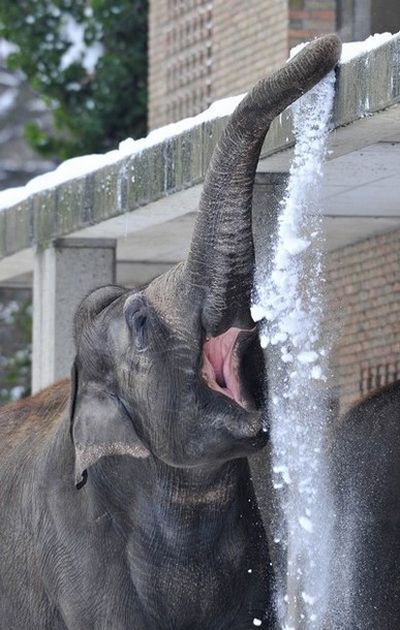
(85, 164)
(81, 166)
(351, 50)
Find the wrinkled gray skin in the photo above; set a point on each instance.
(136, 509)
(365, 587)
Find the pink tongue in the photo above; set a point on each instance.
(220, 365)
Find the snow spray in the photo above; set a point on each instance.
(289, 304)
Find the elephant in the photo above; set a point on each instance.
(365, 469)
(126, 495)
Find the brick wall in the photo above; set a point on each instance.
(181, 50)
(157, 79)
(309, 18)
(249, 41)
(364, 282)
(202, 50)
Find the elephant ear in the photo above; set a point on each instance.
(100, 426)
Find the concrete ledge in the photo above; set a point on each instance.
(366, 85)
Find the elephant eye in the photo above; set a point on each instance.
(136, 317)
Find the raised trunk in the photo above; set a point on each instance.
(221, 258)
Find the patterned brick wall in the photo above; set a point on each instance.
(157, 80)
(188, 61)
(364, 282)
(181, 59)
(202, 50)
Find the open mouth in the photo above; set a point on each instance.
(224, 364)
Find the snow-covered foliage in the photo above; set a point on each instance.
(79, 51)
(15, 348)
(88, 60)
(7, 100)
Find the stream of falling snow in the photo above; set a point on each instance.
(289, 301)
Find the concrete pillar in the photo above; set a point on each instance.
(64, 274)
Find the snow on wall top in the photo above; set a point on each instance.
(80, 166)
(352, 50)
(83, 165)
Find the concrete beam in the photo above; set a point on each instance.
(64, 273)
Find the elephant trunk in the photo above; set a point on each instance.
(221, 257)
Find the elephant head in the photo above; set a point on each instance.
(175, 370)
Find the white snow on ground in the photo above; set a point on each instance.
(78, 167)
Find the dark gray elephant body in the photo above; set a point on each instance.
(134, 507)
(140, 546)
(366, 477)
